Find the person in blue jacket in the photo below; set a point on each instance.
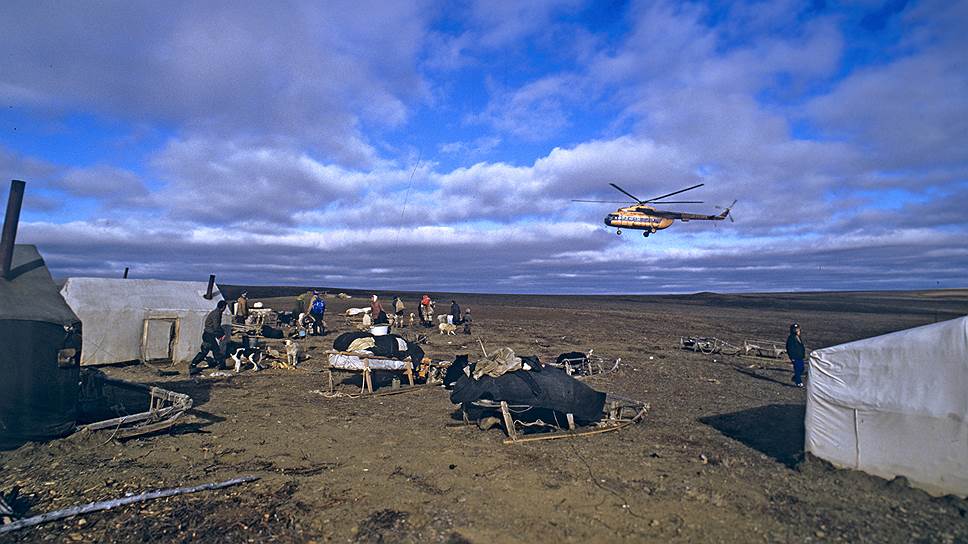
(317, 307)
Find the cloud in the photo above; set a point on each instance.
(534, 112)
(112, 186)
(310, 72)
(476, 148)
(225, 182)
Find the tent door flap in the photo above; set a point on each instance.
(158, 340)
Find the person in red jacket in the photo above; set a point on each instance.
(425, 311)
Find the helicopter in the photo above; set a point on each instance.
(642, 216)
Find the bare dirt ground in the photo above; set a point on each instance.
(718, 458)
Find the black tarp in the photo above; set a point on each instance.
(343, 341)
(550, 389)
(38, 395)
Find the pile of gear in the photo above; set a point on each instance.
(520, 391)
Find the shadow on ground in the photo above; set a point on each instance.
(775, 430)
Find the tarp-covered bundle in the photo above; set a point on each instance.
(140, 320)
(38, 364)
(549, 389)
(387, 345)
(895, 405)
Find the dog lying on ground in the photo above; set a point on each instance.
(446, 328)
(244, 356)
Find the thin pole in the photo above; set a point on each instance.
(109, 504)
(10, 222)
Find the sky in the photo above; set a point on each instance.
(437, 145)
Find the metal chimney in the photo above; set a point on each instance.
(211, 286)
(125, 276)
(10, 221)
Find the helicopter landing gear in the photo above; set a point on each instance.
(646, 234)
(618, 232)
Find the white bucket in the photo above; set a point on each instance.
(380, 330)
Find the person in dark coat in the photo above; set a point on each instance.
(213, 336)
(454, 313)
(467, 321)
(796, 352)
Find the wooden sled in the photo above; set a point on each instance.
(756, 349)
(164, 407)
(365, 364)
(584, 367)
(618, 414)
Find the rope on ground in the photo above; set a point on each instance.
(625, 504)
(335, 394)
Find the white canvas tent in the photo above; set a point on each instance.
(143, 320)
(895, 405)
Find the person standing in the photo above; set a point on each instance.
(376, 311)
(467, 321)
(213, 336)
(454, 317)
(398, 306)
(241, 309)
(317, 307)
(425, 311)
(796, 352)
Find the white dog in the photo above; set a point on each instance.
(292, 353)
(446, 328)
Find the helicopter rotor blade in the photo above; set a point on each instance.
(677, 202)
(604, 201)
(670, 194)
(628, 194)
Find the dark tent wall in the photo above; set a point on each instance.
(39, 354)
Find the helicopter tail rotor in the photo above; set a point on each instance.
(726, 211)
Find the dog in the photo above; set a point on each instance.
(446, 328)
(244, 356)
(412, 316)
(292, 353)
